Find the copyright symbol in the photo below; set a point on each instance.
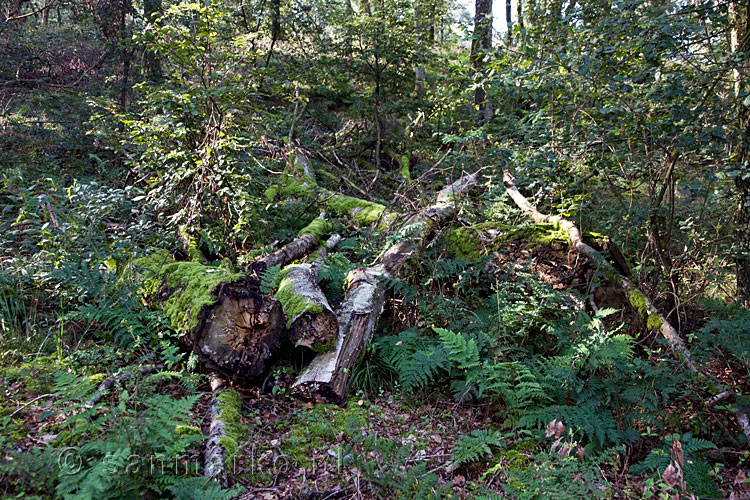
(69, 461)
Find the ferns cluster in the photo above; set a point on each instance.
(579, 371)
(146, 443)
(475, 446)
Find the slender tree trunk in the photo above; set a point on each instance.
(509, 21)
(422, 33)
(275, 20)
(125, 54)
(480, 44)
(152, 10)
(739, 19)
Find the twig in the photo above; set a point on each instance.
(29, 403)
(108, 383)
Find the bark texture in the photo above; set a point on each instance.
(310, 319)
(328, 376)
(214, 456)
(481, 43)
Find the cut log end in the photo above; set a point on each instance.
(315, 331)
(239, 333)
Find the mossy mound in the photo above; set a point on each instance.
(320, 426)
(479, 240)
(190, 286)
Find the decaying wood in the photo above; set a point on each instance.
(238, 334)
(214, 456)
(576, 240)
(313, 322)
(327, 377)
(230, 324)
(649, 309)
(297, 248)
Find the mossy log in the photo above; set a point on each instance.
(225, 430)
(299, 181)
(226, 320)
(327, 378)
(655, 319)
(230, 324)
(310, 319)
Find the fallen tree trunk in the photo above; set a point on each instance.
(230, 324)
(655, 319)
(223, 413)
(328, 376)
(213, 457)
(299, 180)
(637, 298)
(310, 319)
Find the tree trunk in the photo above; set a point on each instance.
(328, 376)
(480, 44)
(230, 324)
(739, 18)
(509, 21)
(422, 35)
(151, 11)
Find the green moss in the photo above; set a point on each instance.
(405, 168)
(321, 348)
(293, 304)
(187, 430)
(320, 426)
(362, 212)
(192, 285)
(271, 192)
(516, 458)
(466, 242)
(194, 253)
(298, 188)
(230, 404)
(318, 227)
(654, 321)
(638, 301)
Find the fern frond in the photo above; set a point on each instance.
(476, 446)
(463, 350)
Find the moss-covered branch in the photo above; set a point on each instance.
(328, 375)
(224, 430)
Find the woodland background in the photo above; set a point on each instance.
(506, 363)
